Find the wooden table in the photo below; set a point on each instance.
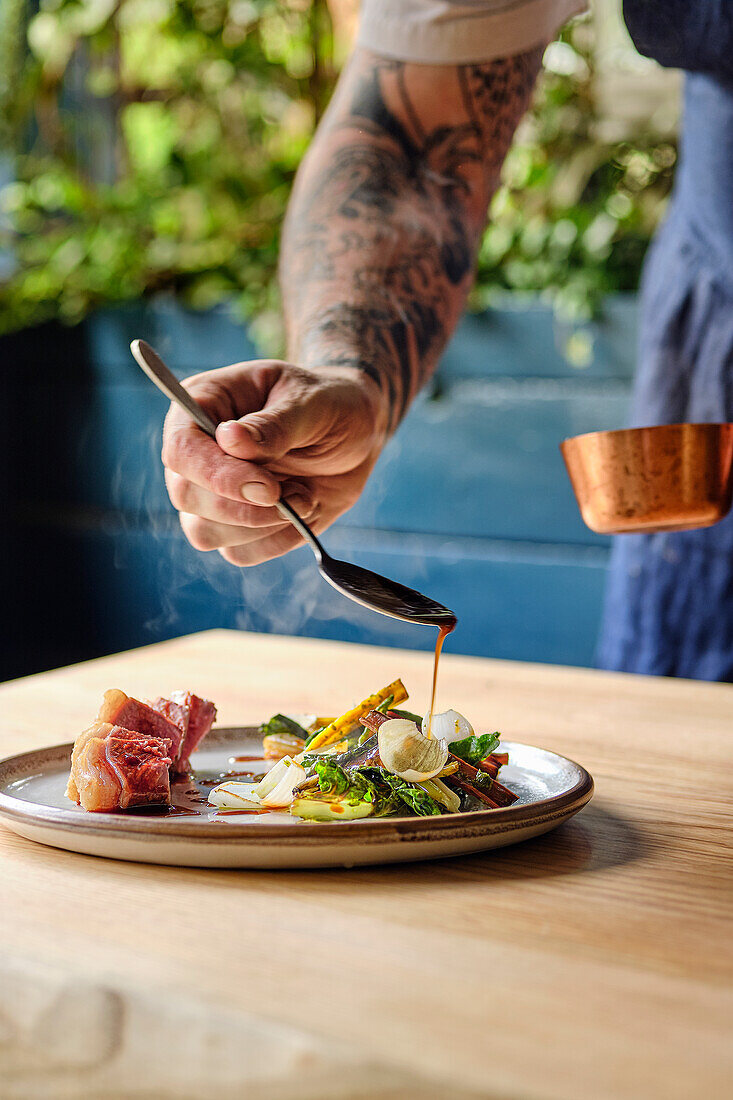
(594, 962)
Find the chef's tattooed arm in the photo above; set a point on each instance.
(381, 235)
(377, 260)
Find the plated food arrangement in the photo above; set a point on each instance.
(376, 760)
(158, 782)
(373, 761)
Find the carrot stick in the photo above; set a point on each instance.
(341, 727)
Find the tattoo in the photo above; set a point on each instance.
(381, 236)
(370, 337)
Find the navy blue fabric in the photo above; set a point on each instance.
(669, 599)
(696, 35)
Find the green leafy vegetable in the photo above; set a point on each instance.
(416, 799)
(386, 792)
(413, 797)
(354, 785)
(331, 777)
(386, 705)
(308, 760)
(280, 723)
(475, 749)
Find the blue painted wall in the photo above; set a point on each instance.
(470, 501)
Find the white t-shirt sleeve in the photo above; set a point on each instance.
(452, 32)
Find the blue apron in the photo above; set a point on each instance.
(669, 598)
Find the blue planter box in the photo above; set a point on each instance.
(469, 502)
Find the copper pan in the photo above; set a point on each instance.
(672, 477)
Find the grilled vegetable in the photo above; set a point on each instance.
(374, 760)
(417, 800)
(327, 807)
(350, 721)
(442, 793)
(341, 795)
(475, 749)
(333, 779)
(277, 745)
(281, 723)
(373, 719)
(234, 796)
(406, 751)
(450, 725)
(387, 793)
(394, 712)
(496, 791)
(282, 794)
(331, 776)
(276, 789)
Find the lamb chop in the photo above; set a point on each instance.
(114, 768)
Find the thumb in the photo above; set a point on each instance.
(268, 434)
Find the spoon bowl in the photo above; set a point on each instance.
(384, 595)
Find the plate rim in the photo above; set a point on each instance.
(366, 830)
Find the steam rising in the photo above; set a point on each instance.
(197, 591)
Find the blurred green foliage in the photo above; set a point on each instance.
(149, 146)
(582, 194)
(156, 150)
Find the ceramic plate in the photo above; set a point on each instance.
(192, 834)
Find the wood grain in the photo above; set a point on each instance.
(595, 962)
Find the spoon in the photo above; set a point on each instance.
(361, 585)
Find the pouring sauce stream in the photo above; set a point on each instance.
(443, 632)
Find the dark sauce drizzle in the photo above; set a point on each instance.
(443, 631)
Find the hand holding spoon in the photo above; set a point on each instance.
(361, 585)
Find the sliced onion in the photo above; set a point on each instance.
(450, 725)
(282, 794)
(273, 777)
(406, 751)
(234, 796)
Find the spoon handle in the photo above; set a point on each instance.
(158, 373)
(151, 363)
(302, 527)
